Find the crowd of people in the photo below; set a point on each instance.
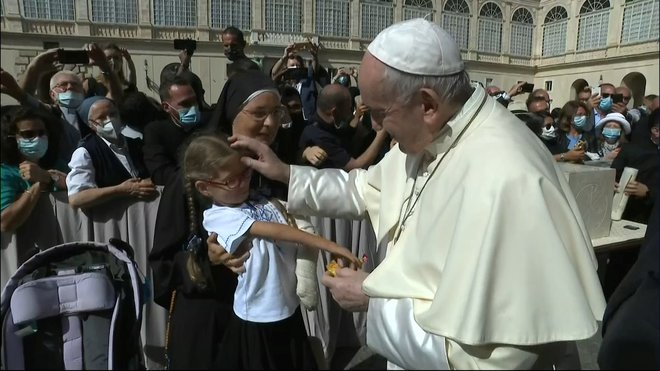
(443, 170)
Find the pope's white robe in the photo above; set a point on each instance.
(494, 266)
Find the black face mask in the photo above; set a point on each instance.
(298, 118)
(233, 54)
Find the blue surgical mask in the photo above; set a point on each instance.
(605, 104)
(611, 135)
(70, 99)
(189, 116)
(33, 148)
(579, 121)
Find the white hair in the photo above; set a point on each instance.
(57, 75)
(453, 89)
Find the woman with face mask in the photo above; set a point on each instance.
(615, 129)
(107, 165)
(30, 164)
(574, 139)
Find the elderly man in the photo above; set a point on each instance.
(67, 93)
(488, 262)
(632, 115)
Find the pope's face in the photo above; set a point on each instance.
(404, 123)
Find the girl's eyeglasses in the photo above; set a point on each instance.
(233, 182)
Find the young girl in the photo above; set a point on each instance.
(266, 330)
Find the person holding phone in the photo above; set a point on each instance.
(290, 70)
(621, 100)
(504, 98)
(66, 90)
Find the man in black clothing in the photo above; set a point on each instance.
(644, 158)
(234, 44)
(162, 139)
(630, 322)
(643, 193)
(333, 114)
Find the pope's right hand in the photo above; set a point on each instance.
(264, 160)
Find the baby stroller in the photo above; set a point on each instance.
(74, 306)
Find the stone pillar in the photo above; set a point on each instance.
(615, 27)
(539, 18)
(398, 12)
(258, 14)
(144, 20)
(506, 29)
(82, 18)
(203, 20)
(308, 17)
(473, 40)
(573, 26)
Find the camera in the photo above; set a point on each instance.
(189, 45)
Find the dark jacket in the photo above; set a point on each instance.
(162, 145)
(587, 136)
(630, 323)
(644, 158)
(108, 170)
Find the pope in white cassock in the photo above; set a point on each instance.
(488, 265)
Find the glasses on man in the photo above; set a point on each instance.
(233, 182)
(280, 114)
(29, 134)
(64, 85)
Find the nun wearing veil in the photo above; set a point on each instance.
(248, 105)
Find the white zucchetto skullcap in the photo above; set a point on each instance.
(418, 47)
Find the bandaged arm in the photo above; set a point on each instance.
(393, 333)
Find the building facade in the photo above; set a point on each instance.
(560, 45)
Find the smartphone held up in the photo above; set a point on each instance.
(72, 56)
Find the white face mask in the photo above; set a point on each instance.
(110, 129)
(548, 133)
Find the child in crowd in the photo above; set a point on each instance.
(266, 330)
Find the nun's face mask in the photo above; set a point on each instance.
(260, 118)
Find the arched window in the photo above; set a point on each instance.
(231, 13)
(640, 21)
(490, 28)
(175, 13)
(594, 22)
(456, 20)
(554, 32)
(418, 9)
(332, 18)
(284, 16)
(522, 30)
(376, 15)
(55, 10)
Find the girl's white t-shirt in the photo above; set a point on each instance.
(266, 291)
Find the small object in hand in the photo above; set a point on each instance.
(581, 145)
(331, 267)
